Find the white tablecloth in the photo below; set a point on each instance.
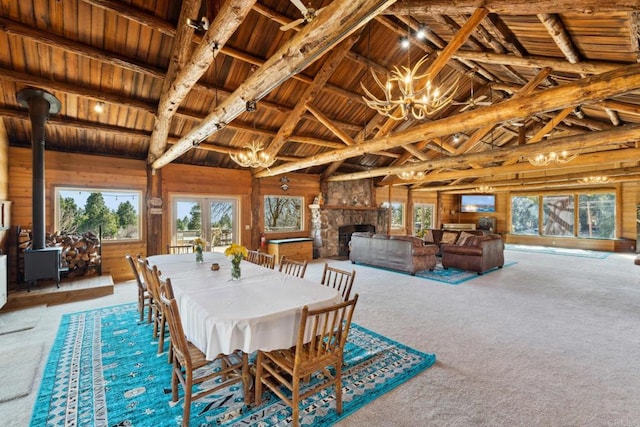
(261, 311)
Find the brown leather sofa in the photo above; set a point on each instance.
(477, 253)
(403, 253)
(438, 237)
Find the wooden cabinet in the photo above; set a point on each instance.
(300, 249)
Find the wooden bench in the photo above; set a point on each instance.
(300, 248)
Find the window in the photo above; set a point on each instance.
(218, 226)
(117, 212)
(283, 214)
(397, 214)
(524, 215)
(422, 218)
(596, 215)
(557, 215)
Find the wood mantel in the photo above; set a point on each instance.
(347, 207)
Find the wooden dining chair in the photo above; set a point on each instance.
(262, 258)
(340, 280)
(188, 359)
(151, 277)
(179, 249)
(293, 267)
(279, 369)
(144, 298)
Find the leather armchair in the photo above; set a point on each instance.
(478, 253)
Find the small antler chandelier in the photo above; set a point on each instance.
(409, 175)
(252, 156)
(402, 97)
(484, 189)
(551, 157)
(597, 179)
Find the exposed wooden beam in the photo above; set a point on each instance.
(338, 21)
(595, 160)
(510, 7)
(571, 143)
(133, 14)
(548, 179)
(310, 94)
(186, 68)
(477, 136)
(458, 40)
(559, 34)
(590, 89)
(531, 61)
(329, 125)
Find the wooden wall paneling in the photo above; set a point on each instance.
(306, 186)
(81, 170)
(4, 180)
(195, 180)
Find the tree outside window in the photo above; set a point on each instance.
(422, 218)
(524, 215)
(117, 212)
(596, 215)
(283, 213)
(397, 214)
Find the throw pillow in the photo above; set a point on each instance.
(428, 236)
(449, 237)
(464, 236)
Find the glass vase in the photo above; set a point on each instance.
(235, 269)
(199, 257)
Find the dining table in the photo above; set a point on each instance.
(260, 311)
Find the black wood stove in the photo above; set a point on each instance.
(40, 262)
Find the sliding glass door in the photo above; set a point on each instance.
(214, 219)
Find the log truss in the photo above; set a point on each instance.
(551, 87)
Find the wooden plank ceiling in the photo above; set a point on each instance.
(531, 77)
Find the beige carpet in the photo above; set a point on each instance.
(19, 370)
(551, 341)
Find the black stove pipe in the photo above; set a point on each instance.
(40, 104)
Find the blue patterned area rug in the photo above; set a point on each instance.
(581, 253)
(450, 276)
(103, 370)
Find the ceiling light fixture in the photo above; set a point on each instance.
(551, 157)
(597, 179)
(421, 34)
(406, 92)
(409, 175)
(402, 96)
(99, 107)
(484, 189)
(252, 155)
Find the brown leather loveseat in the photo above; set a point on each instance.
(404, 253)
(476, 253)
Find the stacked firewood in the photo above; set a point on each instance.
(80, 252)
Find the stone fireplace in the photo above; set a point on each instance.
(350, 204)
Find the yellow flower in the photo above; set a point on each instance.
(235, 250)
(199, 242)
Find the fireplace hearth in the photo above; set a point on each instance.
(344, 235)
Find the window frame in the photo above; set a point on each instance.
(302, 217)
(401, 207)
(58, 189)
(576, 196)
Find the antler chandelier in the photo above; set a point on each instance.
(408, 175)
(402, 97)
(551, 157)
(597, 179)
(484, 189)
(252, 156)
